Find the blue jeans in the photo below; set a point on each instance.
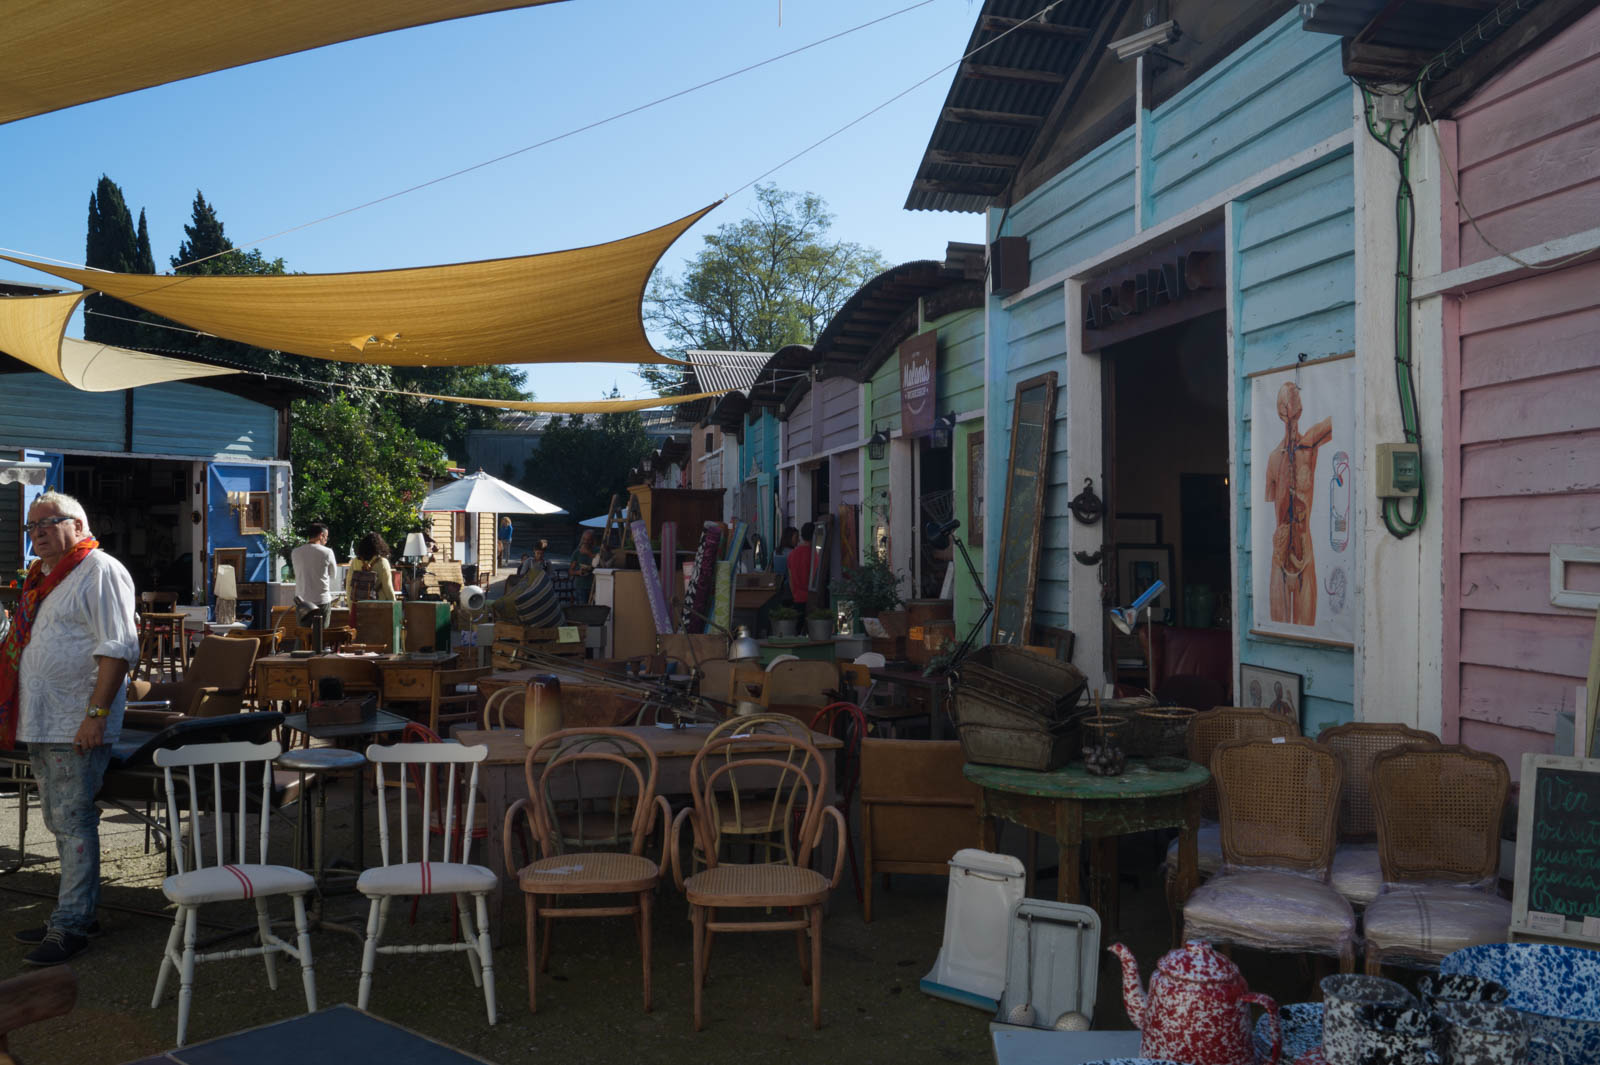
(68, 783)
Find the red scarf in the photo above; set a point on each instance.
(37, 585)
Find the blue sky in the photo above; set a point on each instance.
(276, 144)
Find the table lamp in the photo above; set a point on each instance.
(1126, 619)
(415, 550)
(226, 588)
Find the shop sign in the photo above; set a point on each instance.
(1180, 281)
(919, 380)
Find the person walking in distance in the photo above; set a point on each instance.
(62, 667)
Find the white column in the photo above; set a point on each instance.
(1083, 399)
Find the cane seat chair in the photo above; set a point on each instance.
(1357, 874)
(1279, 801)
(211, 857)
(785, 888)
(409, 868)
(574, 862)
(755, 814)
(1438, 816)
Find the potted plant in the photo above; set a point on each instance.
(819, 623)
(785, 621)
(872, 585)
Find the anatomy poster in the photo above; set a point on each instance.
(1302, 434)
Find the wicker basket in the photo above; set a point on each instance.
(1013, 679)
(1106, 730)
(1159, 731)
(1034, 747)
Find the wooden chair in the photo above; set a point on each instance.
(213, 822)
(449, 703)
(758, 815)
(415, 871)
(1438, 815)
(568, 867)
(723, 886)
(917, 809)
(1279, 803)
(215, 683)
(1357, 873)
(162, 649)
(846, 722)
(504, 708)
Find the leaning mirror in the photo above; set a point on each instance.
(1027, 480)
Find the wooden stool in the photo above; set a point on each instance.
(162, 639)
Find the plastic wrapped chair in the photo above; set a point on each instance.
(1279, 804)
(1438, 815)
(1357, 874)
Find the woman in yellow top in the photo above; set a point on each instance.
(370, 575)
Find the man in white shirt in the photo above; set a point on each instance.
(71, 646)
(315, 571)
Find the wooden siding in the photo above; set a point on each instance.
(1278, 95)
(1526, 146)
(177, 418)
(38, 411)
(1080, 212)
(1294, 291)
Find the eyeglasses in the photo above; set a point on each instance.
(34, 528)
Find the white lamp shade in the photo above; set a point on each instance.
(416, 546)
(227, 586)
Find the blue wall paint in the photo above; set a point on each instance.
(222, 523)
(39, 411)
(1295, 292)
(1080, 212)
(183, 419)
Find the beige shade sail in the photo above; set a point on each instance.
(57, 53)
(592, 406)
(33, 328)
(580, 305)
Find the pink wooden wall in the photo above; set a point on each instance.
(1522, 400)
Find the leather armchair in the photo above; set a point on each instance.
(216, 682)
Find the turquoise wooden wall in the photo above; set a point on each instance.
(38, 411)
(1294, 292)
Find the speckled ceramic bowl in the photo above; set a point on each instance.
(1302, 1030)
(1345, 995)
(1556, 989)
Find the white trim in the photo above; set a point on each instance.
(1235, 459)
(1560, 594)
(1082, 387)
(789, 464)
(1139, 114)
(1279, 171)
(1500, 269)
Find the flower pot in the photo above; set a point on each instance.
(785, 627)
(819, 628)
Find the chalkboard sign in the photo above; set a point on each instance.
(1027, 478)
(1558, 849)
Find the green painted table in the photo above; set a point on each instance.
(799, 646)
(1076, 807)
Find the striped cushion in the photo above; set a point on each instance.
(535, 600)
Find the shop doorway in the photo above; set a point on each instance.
(140, 511)
(935, 506)
(1166, 492)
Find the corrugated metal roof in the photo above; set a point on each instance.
(716, 371)
(1000, 98)
(1423, 26)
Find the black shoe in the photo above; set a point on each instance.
(58, 946)
(32, 937)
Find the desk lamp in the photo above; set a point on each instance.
(412, 554)
(1126, 619)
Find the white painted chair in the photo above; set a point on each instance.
(416, 872)
(217, 809)
(870, 659)
(778, 660)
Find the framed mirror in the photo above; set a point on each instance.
(1027, 478)
(821, 554)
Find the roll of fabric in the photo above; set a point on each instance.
(652, 578)
(669, 558)
(697, 592)
(722, 600)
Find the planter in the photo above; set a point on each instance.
(819, 628)
(785, 627)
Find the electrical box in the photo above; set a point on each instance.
(1398, 470)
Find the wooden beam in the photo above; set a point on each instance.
(1382, 62)
(997, 24)
(1002, 118)
(1528, 33)
(1004, 162)
(960, 188)
(1094, 51)
(1022, 74)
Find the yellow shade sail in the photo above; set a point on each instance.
(33, 328)
(580, 305)
(57, 53)
(592, 406)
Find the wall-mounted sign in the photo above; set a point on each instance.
(919, 379)
(1182, 280)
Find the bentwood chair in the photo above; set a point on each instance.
(1279, 802)
(785, 888)
(756, 815)
(1357, 873)
(409, 864)
(1438, 815)
(220, 797)
(588, 851)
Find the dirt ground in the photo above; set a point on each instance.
(589, 1003)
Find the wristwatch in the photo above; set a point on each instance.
(98, 711)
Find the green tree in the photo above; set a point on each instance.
(114, 244)
(358, 472)
(449, 423)
(584, 459)
(768, 280)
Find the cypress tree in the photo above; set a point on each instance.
(112, 244)
(205, 239)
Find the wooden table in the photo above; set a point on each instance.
(287, 678)
(519, 678)
(500, 775)
(934, 689)
(1074, 806)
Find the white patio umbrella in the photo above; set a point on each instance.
(479, 493)
(596, 522)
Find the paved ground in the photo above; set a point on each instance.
(757, 1008)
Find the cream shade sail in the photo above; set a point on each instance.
(580, 305)
(57, 53)
(33, 328)
(593, 406)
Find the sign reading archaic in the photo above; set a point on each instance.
(1182, 280)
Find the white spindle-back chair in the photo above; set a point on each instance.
(213, 861)
(414, 870)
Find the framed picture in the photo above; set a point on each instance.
(1139, 568)
(975, 489)
(1133, 528)
(255, 518)
(1271, 688)
(1301, 499)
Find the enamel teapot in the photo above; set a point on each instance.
(1197, 1009)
